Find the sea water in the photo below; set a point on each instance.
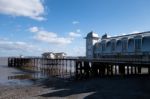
(12, 76)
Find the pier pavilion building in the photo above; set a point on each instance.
(135, 45)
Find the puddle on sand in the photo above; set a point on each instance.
(13, 76)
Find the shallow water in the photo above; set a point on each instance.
(14, 76)
(7, 74)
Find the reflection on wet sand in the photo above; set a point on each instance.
(20, 77)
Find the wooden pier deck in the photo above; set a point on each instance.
(85, 68)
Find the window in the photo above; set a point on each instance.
(124, 45)
(98, 54)
(97, 46)
(138, 44)
(112, 46)
(103, 46)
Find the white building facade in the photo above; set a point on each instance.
(91, 40)
(52, 55)
(131, 45)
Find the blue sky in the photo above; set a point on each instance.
(31, 27)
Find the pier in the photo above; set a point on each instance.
(63, 68)
(102, 67)
(84, 68)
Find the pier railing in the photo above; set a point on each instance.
(120, 60)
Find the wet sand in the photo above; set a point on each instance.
(98, 88)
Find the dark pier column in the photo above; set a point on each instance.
(15, 64)
(131, 70)
(127, 69)
(70, 65)
(66, 66)
(139, 69)
(135, 69)
(115, 69)
(95, 69)
(18, 62)
(148, 70)
(9, 62)
(107, 69)
(33, 63)
(51, 66)
(121, 69)
(59, 67)
(111, 69)
(82, 69)
(56, 67)
(102, 69)
(63, 67)
(86, 69)
(78, 69)
(51, 62)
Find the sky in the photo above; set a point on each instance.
(32, 27)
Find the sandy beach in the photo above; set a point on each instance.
(98, 88)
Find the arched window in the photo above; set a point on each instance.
(103, 45)
(113, 45)
(124, 44)
(137, 43)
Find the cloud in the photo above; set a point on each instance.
(34, 29)
(33, 9)
(52, 38)
(49, 37)
(74, 34)
(75, 22)
(109, 36)
(134, 32)
(8, 45)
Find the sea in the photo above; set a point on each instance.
(14, 76)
